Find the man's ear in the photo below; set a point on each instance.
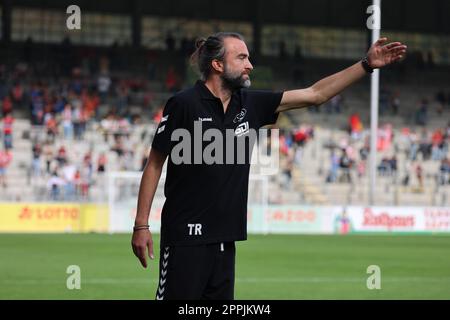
(217, 65)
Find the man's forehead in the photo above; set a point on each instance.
(235, 46)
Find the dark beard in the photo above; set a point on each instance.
(234, 83)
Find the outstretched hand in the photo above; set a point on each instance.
(381, 54)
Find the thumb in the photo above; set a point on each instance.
(380, 41)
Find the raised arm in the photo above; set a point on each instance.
(379, 55)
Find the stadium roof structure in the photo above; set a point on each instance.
(401, 15)
(412, 16)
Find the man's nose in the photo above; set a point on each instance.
(249, 66)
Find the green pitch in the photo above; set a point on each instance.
(268, 267)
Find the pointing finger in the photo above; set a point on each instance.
(142, 258)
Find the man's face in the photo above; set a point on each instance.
(236, 64)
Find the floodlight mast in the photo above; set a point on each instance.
(374, 93)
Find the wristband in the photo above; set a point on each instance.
(366, 66)
(141, 227)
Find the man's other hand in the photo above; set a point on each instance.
(142, 243)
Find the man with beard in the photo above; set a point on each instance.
(206, 204)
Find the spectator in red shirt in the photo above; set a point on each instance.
(171, 80)
(158, 115)
(355, 125)
(7, 105)
(8, 131)
(52, 127)
(437, 145)
(61, 156)
(18, 94)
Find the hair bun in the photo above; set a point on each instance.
(199, 43)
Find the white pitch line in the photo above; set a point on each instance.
(143, 281)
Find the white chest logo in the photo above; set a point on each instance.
(242, 129)
(240, 116)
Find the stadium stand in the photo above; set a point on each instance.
(102, 110)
